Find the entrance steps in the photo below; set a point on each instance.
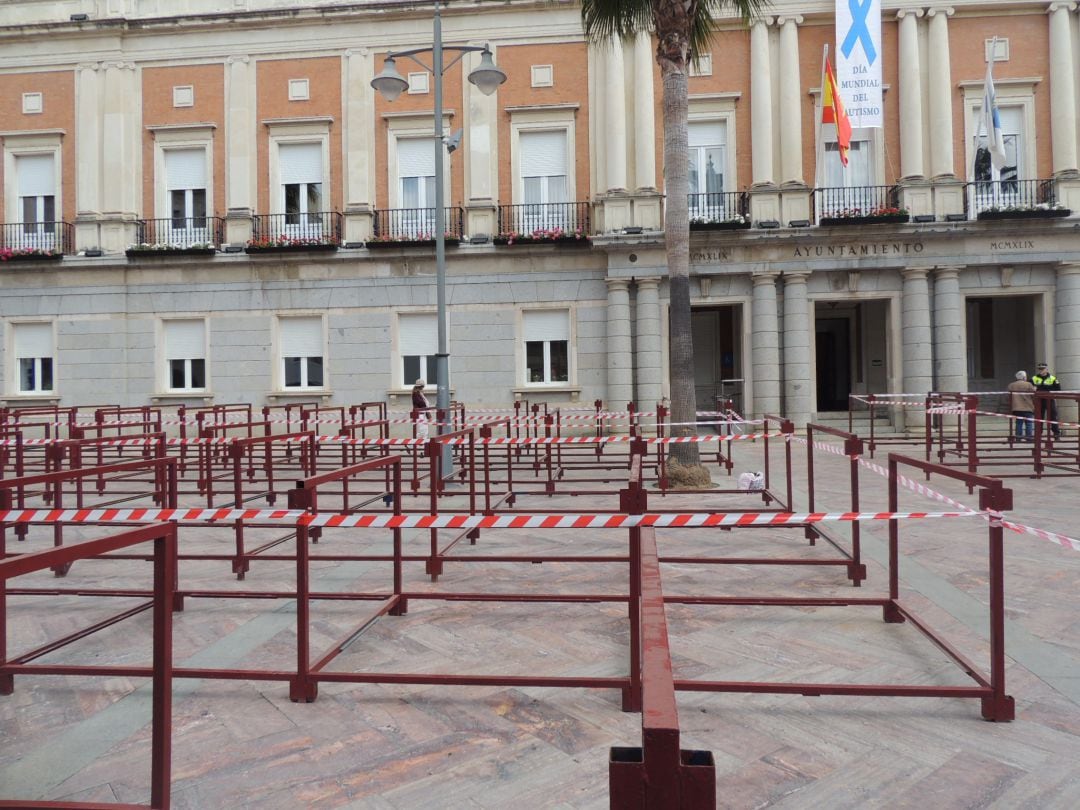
(860, 424)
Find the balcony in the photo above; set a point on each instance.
(295, 232)
(719, 211)
(177, 236)
(1012, 199)
(858, 205)
(533, 223)
(35, 241)
(414, 227)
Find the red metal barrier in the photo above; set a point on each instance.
(853, 449)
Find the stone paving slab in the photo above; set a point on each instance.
(244, 744)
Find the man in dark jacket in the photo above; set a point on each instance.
(1043, 380)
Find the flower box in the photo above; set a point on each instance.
(382, 244)
(140, 252)
(538, 240)
(869, 219)
(35, 256)
(729, 225)
(323, 247)
(1024, 213)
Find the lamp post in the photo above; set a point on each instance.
(487, 77)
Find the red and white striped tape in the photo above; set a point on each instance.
(537, 521)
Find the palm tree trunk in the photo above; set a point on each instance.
(677, 231)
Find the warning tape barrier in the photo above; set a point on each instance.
(536, 521)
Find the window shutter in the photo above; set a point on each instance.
(185, 168)
(543, 154)
(416, 157)
(36, 177)
(300, 163)
(546, 324)
(185, 340)
(301, 337)
(418, 334)
(707, 133)
(33, 340)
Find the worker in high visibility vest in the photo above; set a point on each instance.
(1043, 380)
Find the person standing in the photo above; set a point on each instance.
(1044, 380)
(1022, 405)
(420, 408)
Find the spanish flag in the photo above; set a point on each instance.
(832, 111)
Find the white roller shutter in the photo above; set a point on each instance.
(300, 163)
(301, 337)
(543, 154)
(36, 175)
(33, 340)
(418, 334)
(185, 168)
(707, 133)
(185, 340)
(550, 324)
(416, 157)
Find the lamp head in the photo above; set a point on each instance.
(389, 82)
(487, 76)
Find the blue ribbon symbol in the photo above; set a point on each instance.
(858, 31)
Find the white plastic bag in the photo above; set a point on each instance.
(752, 481)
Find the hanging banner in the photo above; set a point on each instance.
(858, 60)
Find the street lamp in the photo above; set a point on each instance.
(487, 77)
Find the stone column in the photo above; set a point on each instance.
(940, 76)
(765, 354)
(359, 137)
(620, 360)
(761, 119)
(240, 148)
(950, 346)
(1062, 89)
(791, 102)
(644, 114)
(911, 118)
(797, 382)
(88, 157)
(915, 339)
(614, 137)
(120, 155)
(648, 354)
(482, 156)
(1066, 360)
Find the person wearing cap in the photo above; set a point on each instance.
(1043, 380)
(1022, 405)
(420, 406)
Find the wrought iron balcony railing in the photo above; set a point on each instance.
(718, 207)
(312, 228)
(529, 218)
(416, 224)
(857, 203)
(987, 196)
(180, 232)
(36, 238)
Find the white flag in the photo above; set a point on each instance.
(995, 139)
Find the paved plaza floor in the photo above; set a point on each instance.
(242, 744)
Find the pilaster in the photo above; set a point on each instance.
(798, 386)
(1066, 360)
(915, 339)
(359, 143)
(765, 352)
(644, 115)
(911, 96)
(950, 358)
(620, 360)
(88, 156)
(791, 109)
(1062, 90)
(648, 355)
(482, 157)
(121, 155)
(240, 148)
(939, 71)
(761, 105)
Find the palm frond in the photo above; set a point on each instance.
(709, 11)
(604, 18)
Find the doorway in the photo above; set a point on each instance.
(851, 350)
(833, 354)
(718, 367)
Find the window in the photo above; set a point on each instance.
(34, 357)
(416, 185)
(185, 181)
(1007, 191)
(547, 346)
(851, 187)
(707, 161)
(544, 181)
(302, 344)
(185, 355)
(301, 168)
(299, 90)
(37, 201)
(418, 340)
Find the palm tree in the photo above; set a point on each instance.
(682, 28)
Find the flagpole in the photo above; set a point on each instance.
(819, 145)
